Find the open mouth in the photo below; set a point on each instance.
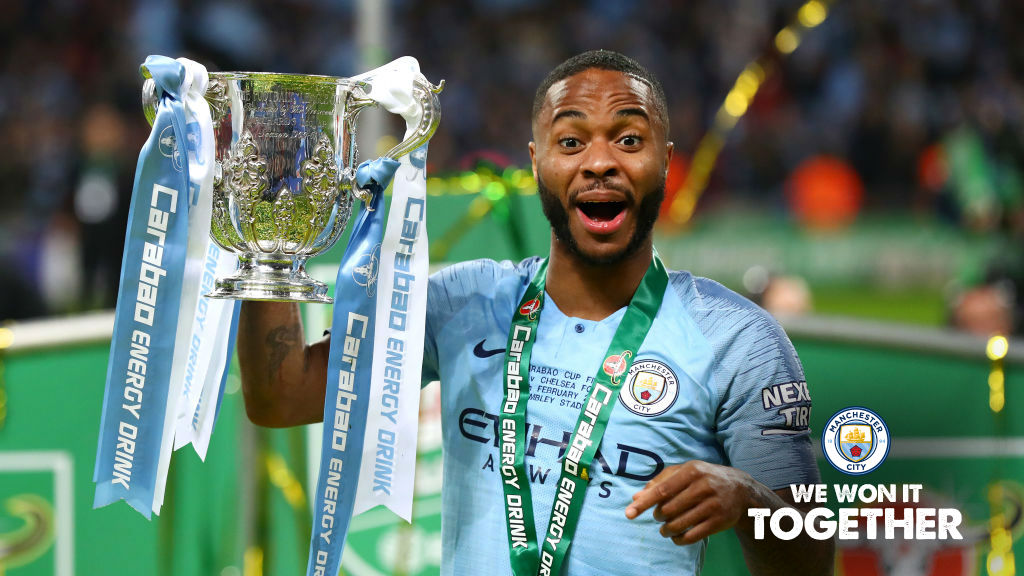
(599, 212)
(602, 217)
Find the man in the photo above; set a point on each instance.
(699, 431)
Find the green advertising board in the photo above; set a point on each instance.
(245, 511)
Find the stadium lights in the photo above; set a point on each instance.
(787, 40)
(736, 104)
(812, 13)
(997, 348)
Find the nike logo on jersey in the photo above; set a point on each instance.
(480, 352)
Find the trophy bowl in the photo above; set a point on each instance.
(284, 179)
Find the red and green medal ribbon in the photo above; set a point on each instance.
(586, 436)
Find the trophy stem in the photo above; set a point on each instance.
(271, 277)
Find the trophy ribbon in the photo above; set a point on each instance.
(371, 407)
(392, 422)
(169, 219)
(206, 337)
(348, 374)
(196, 420)
(198, 324)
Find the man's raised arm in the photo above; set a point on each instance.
(283, 378)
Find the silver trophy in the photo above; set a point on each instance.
(285, 175)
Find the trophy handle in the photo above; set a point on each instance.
(425, 95)
(149, 99)
(216, 97)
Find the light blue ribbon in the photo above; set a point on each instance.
(227, 363)
(145, 321)
(348, 374)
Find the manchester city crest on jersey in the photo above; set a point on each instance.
(855, 440)
(651, 388)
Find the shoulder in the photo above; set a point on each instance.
(454, 288)
(743, 336)
(706, 299)
(481, 276)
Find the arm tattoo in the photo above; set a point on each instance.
(280, 342)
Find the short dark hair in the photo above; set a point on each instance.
(602, 60)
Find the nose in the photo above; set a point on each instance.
(599, 160)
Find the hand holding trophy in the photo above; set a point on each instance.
(244, 177)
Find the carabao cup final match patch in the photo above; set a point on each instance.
(650, 389)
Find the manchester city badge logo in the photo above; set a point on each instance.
(651, 388)
(855, 440)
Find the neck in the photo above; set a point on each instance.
(590, 291)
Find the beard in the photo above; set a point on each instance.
(558, 217)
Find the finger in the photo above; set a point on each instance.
(695, 533)
(664, 486)
(657, 490)
(695, 493)
(678, 525)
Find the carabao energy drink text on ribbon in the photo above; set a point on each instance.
(167, 239)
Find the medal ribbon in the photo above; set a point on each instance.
(587, 434)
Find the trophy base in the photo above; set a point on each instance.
(271, 280)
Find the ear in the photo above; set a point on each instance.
(533, 159)
(669, 148)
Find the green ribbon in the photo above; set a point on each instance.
(587, 434)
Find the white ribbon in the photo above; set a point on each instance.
(207, 356)
(392, 88)
(389, 447)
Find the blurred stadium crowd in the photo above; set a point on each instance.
(922, 101)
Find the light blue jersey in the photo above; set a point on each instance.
(716, 379)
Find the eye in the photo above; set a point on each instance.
(630, 140)
(569, 142)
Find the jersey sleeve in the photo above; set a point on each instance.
(451, 291)
(765, 406)
(763, 402)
